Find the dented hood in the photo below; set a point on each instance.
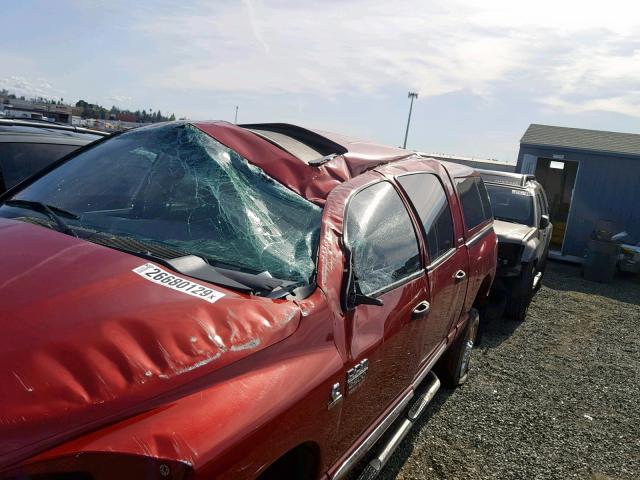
(511, 232)
(86, 341)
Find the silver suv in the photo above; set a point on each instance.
(522, 224)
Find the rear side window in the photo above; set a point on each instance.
(382, 239)
(430, 201)
(484, 198)
(475, 201)
(21, 160)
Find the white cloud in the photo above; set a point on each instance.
(29, 88)
(627, 104)
(120, 99)
(256, 25)
(573, 54)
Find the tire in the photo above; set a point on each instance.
(522, 293)
(454, 368)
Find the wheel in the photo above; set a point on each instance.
(522, 293)
(454, 369)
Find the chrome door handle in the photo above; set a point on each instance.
(459, 275)
(421, 310)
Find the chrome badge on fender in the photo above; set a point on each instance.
(356, 375)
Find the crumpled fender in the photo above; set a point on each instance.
(237, 420)
(86, 341)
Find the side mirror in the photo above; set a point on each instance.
(544, 221)
(352, 296)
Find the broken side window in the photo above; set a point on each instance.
(382, 239)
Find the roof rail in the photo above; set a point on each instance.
(507, 178)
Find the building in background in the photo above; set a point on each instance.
(488, 164)
(18, 108)
(589, 175)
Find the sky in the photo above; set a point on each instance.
(483, 70)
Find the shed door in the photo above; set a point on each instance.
(558, 178)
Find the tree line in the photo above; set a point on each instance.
(90, 110)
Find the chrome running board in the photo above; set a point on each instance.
(372, 438)
(376, 465)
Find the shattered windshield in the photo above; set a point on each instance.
(177, 186)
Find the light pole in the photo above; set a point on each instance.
(236, 119)
(411, 95)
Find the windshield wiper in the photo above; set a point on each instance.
(190, 265)
(271, 287)
(198, 267)
(296, 289)
(48, 210)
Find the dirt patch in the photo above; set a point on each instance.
(554, 397)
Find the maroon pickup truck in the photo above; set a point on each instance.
(200, 300)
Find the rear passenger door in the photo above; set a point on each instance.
(448, 263)
(478, 221)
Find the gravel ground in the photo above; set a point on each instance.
(554, 397)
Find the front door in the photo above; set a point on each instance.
(384, 340)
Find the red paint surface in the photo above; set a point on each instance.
(86, 340)
(105, 371)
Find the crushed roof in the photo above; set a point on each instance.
(313, 181)
(582, 139)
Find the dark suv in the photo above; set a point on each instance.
(28, 146)
(521, 213)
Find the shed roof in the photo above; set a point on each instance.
(582, 139)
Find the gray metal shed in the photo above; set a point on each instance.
(588, 175)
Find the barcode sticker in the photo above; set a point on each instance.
(155, 274)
